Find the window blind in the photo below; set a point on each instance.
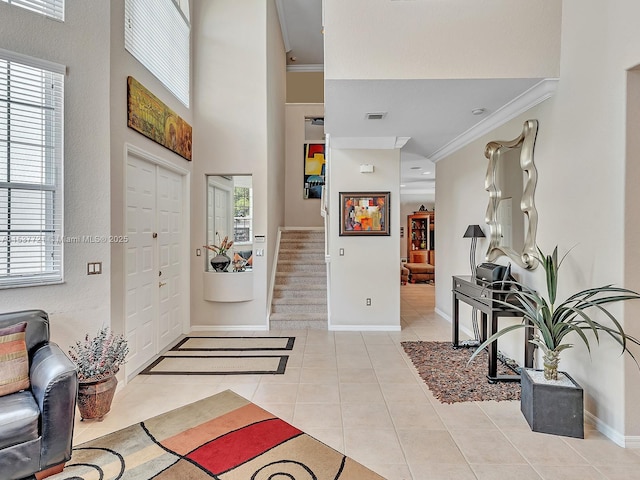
(50, 8)
(31, 144)
(156, 33)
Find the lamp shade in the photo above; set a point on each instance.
(473, 231)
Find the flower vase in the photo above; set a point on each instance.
(220, 262)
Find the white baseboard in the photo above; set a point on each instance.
(609, 432)
(228, 328)
(632, 441)
(365, 328)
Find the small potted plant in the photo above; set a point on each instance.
(98, 359)
(551, 324)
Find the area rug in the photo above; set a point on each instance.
(224, 437)
(224, 356)
(446, 373)
(234, 344)
(218, 365)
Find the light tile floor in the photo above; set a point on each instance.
(359, 393)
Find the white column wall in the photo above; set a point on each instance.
(370, 267)
(124, 64)
(236, 131)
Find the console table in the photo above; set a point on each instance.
(480, 295)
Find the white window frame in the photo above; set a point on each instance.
(157, 33)
(38, 135)
(242, 220)
(49, 8)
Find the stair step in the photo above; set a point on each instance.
(301, 245)
(303, 282)
(301, 267)
(285, 321)
(298, 325)
(316, 252)
(298, 300)
(299, 309)
(301, 291)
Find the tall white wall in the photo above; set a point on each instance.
(580, 155)
(298, 211)
(276, 131)
(439, 39)
(370, 267)
(81, 43)
(236, 98)
(124, 64)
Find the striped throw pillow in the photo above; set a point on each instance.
(14, 362)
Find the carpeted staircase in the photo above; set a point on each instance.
(300, 290)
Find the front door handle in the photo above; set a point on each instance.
(162, 284)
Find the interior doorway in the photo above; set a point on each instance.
(156, 262)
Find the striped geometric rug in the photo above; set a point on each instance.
(224, 356)
(224, 437)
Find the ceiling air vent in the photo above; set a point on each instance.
(376, 116)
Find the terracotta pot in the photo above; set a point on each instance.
(94, 398)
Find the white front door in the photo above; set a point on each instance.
(170, 231)
(154, 292)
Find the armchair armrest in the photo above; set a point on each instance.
(54, 383)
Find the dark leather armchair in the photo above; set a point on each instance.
(36, 425)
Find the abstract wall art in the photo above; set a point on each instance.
(147, 115)
(314, 169)
(364, 213)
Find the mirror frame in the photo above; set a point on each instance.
(527, 258)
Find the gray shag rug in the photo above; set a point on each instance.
(446, 373)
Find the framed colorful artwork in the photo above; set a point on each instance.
(364, 213)
(314, 170)
(147, 115)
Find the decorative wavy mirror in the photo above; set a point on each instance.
(511, 182)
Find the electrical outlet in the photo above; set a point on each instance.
(368, 302)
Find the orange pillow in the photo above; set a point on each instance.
(250, 261)
(14, 361)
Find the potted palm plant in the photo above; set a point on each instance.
(98, 359)
(552, 323)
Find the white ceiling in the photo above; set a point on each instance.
(432, 114)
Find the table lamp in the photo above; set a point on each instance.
(473, 232)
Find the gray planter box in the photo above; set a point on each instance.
(555, 409)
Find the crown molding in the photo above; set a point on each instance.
(529, 99)
(368, 143)
(317, 67)
(283, 25)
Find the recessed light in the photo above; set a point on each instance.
(426, 173)
(477, 111)
(402, 185)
